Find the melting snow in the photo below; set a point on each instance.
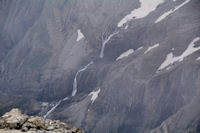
(171, 11)
(125, 54)
(94, 95)
(151, 47)
(170, 59)
(80, 35)
(146, 7)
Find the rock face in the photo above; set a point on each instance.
(15, 122)
(68, 60)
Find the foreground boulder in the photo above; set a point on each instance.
(16, 122)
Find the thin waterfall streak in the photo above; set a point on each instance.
(54, 107)
(105, 42)
(75, 78)
(73, 92)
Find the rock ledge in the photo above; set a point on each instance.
(16, 122)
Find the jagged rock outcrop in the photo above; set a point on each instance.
(16, 122)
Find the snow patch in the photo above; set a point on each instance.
(198, 59)
(171, 11)
(80, 35)
(151, 47)
(125, 54)
(170, 59)
(146, 7)
(44, 104)
(94, 95)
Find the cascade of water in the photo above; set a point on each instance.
(75, 79)
(104, 42)
(73, 92)
(54, 107)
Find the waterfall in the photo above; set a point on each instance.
(104, 42)
(54, 107)
(75, 79)
(73, 92)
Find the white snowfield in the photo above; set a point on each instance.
(151, 47)
(125, 54)
(170, 59)
(94, 95)
(80, 35)
(146, 7)
(162, 17)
